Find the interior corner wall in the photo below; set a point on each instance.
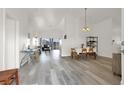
(104, 32)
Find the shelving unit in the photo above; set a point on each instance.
(92, 41)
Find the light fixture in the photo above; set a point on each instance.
(65, 36)
(85, 28)
(36, 34)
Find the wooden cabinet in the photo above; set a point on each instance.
(116, 64)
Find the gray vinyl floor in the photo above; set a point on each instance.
(51, 69)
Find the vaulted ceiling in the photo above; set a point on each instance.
(50, 17)
(94, 14)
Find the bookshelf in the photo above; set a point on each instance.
(92, 41)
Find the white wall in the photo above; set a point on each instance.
(116, 34)
(10, 44)
(122, 39)
(23, 34)
(74, 39)
(104, 32)
(1, 39)
(22, 39)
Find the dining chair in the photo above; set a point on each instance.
(74, 54)
(91, 52)
(84, 52)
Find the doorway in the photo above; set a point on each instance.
(53, 44)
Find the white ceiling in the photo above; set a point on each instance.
(49, 17)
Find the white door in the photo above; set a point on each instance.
(122, 46)
(10, 44)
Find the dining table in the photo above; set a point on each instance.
(78, 50)
(86, 53)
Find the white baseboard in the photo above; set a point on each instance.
(105, 58)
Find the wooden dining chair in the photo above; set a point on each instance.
(84, 52)
(74, 54)
(91, 52)
(72, 51)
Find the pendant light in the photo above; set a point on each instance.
(85, 28)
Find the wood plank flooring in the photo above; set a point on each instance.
(54, 70)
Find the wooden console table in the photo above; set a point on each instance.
(8, 76)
